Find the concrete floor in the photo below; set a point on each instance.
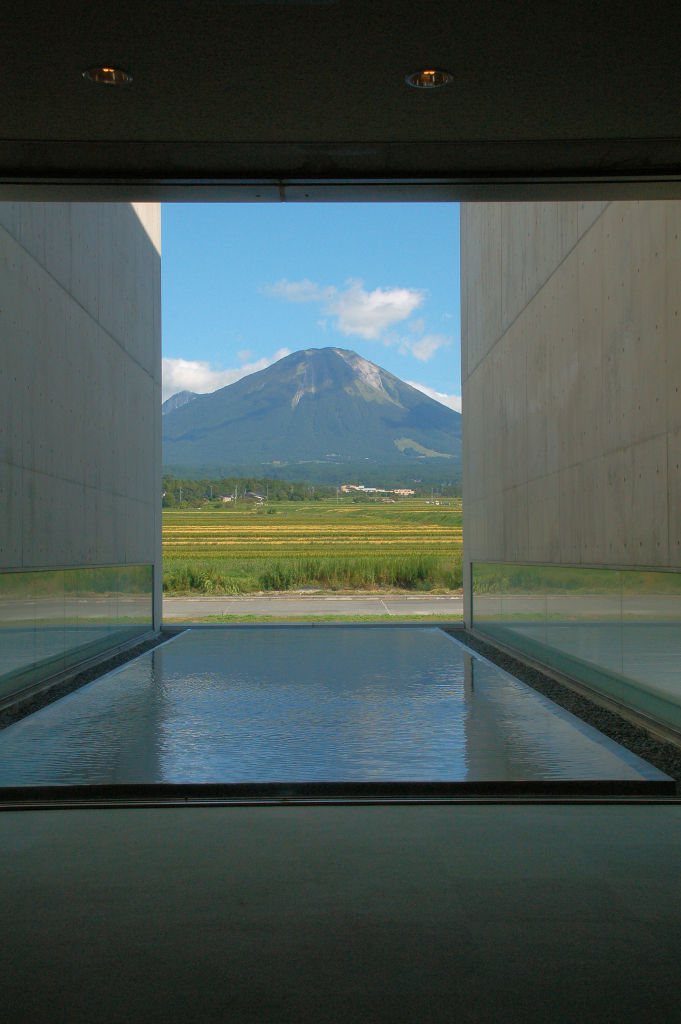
(494, 913)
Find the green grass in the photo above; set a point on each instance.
(363, 572)
(332, 546)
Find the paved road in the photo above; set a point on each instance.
(197, 607)
(588, 606)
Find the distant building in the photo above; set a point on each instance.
(402, 491)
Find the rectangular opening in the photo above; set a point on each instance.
(557, 332)
(312, 418)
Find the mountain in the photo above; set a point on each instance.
(177, 401)
(315, 414)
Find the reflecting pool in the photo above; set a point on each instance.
(299, 703)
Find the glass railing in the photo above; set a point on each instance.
(618, 631)
(52, 619)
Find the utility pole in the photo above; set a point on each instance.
(180, 495)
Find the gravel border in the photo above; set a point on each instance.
(664, 756)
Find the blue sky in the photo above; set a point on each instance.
(245, 284)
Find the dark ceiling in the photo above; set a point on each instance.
(294, 98)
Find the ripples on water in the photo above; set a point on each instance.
(307, 704)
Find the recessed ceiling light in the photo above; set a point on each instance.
(107, 76)
(430, 78)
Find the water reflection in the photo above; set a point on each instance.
(277, 704)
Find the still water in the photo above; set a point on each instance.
(272, 704)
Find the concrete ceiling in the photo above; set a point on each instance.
(296, 98)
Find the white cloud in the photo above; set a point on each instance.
(191, 375)
(451, 401)
(357, 311)
(368, 314)
(244, 355)
(299, 291)
(426, 347)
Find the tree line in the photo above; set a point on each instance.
(179, 492)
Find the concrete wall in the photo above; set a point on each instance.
(571, 353)
(80, 385)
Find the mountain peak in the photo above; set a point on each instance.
(316, 406)
(177, 400)
(368, 373)
(323, 369)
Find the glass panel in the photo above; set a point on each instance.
(135, 588)
(92, 611)
(618, 631)
(17, 626)
(48, 598)
(55, 618)
(651, 615)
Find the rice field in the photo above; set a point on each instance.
(411, 545)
